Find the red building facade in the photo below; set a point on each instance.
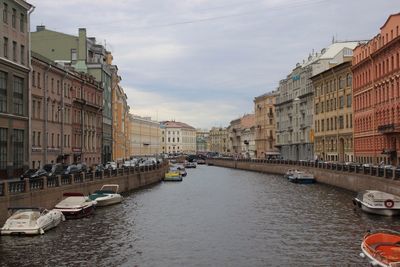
(376, 96)
(87, 120)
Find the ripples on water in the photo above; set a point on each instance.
(215, 217)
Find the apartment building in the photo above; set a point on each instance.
(333, 114)
(14, 87)
(265, 133)
(376, 96)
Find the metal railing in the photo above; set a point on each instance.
(388, 173)
(27, 185)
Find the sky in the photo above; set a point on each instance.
(202, 62)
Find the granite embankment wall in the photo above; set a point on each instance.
(351, 178)
(47, 193)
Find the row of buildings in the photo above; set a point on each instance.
(340, 104)
(61, 100)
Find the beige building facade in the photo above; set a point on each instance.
(14, 88)
(241, 133)
(218, 140)
(120, 129)
(178, 137)
(145, 136)
(265, 133)
(333, 115)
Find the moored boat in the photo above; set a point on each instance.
(76, 205)
(382, 248)
(289, 173)
(377, 202)
(31, 221)
(201, 162)
(107, 195)
(173, 176)
(301, 177)
(190, 165)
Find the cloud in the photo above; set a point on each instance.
(214, 56)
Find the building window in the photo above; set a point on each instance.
(3, 148)
(14, 17)
(22, 55)
(5, 13)
(18, 147)
(38, 79)
(5, 47)
(341, 102)
(18, 95)
(348, 100)
(22, 23)
(33, 138)
(341, 123)
(14, 50)
(33, 109)
(341, 82)
(73, 55)
(38, 139)
(33, 78)
(3, 91)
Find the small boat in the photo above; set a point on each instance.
(377, 202)
(107, 195)
(173, 176)
(201, 162)
(382, 248)
(181, 169)
(76, 205)
(301, 177)
(190, 165)
(31, 221)
(289, 173)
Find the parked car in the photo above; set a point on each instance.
(71, 169)
(27, 174)
(57, 169)
(128, 164)
(82, 168)
(39, 173)
(99, 168)
(111, 165)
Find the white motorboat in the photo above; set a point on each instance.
(107, 195)
(377, 202)
(75, 205)
(31, 221)
(301, 177)
(289, 173)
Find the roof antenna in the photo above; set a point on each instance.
(333, 39)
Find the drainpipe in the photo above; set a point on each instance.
(29, 86)
(82, 120)
(62, 113)
(46, 114)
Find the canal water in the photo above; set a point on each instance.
(215, 217)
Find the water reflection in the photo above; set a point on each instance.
(217, 217)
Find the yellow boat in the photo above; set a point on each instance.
(173, 176)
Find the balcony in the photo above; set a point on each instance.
(388, 128)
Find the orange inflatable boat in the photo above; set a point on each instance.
(382, 248)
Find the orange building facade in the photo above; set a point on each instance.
(376, 96)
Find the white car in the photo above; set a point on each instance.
(111, 165)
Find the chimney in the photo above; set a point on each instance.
(40, 28)
(82, 49)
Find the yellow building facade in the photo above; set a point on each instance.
(145, 136)
(218, 140)
(333, 114)
(120, 130)
(264, 109)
